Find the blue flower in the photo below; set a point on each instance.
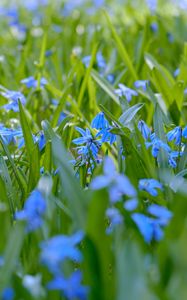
(106, 135)
(34, 4)
(161, 212)
(59, 248)
(144, 129)
(148, 227)
(118, 184)
(125, 91)
(99, 122)
(175, 134)
(91, 145)
(30, 82)
(131, 204)
(9, 135)
(151, 227)
(184, 132)
(33, 211)
(8, 294)
(101, 63)
(157, 144)
(154, 26)
(150, 186)
(176, 72)
(13, 97)
(115, 219)
(70, 287)
(152, 4)
(141, 84)
(173, 155)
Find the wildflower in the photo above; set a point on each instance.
(70, 287)
(30, 82)
(175, 134)
(150, 186)
(59, 248)
(151, 227)
(9, 135)
(91, 145)
(125, 91)
(131, 204)
(157, 144)
(173, 155)
(118, 184)
(8, 294)
(161, 212)
(141, 84)
(152, 4)
(114, 217)
(33, 211)
(184, 132)
(154, 26)
(144, 129)
(13, 97)
(106, 135)
(148, 227)
(99, 122)
(176, 72)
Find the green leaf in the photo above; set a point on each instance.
(32, 150)
(11, 254)
(71, 188)
(129, 114)
(121, 49)
(102, 82)
(131, 274)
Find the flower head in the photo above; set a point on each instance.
(33, 211)
(150, 186)
(59, 248)
(13, 97)
(99, 122)
(70, 287)
(125, 91)
(141, 84)
(144, 129)
(118, 184)
(175, 134)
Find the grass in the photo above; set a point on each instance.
(55, 45)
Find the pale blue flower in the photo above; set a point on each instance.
(125, 91)
(150, 186)
(33, 211)
(118, 184)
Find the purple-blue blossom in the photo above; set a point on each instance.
(90, 146)
(8, 294)
(150, 186)
(152, 227)
(30, 82)
(118, 184)
(13, 97)
(60, 248)
(126, 92)
(33, 211)
(107, 135)
(148, 227)
(141, 84)
(100, 122)
(115, 219)
(156, 145)
(70, 287)
(175, 135)
(144, 129)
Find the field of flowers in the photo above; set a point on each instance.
(93, 150)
